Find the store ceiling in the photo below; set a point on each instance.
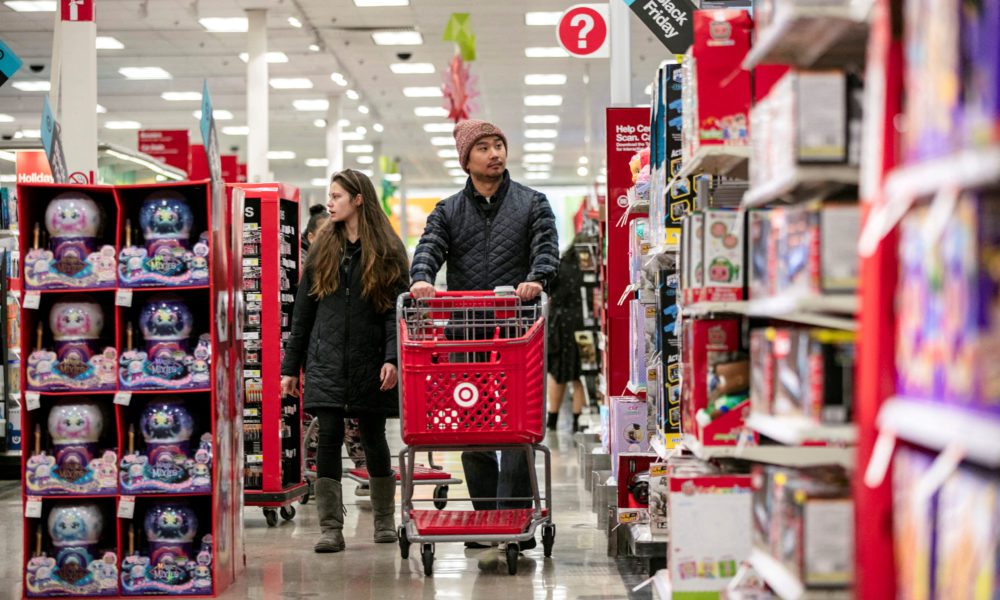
(167, 34)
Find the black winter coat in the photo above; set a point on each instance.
(508, 241)
(342, 341)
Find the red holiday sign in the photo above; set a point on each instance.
(168, 145)
(76, 10)
(583, 31)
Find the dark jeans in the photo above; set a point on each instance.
(486, 480)
(331, 438)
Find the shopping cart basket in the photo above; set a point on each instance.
(472, 378)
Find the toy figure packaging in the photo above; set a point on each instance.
(73, 550)
(706, 343)
(721, 41)
(78, 452)
(627, 428)
(722, 257)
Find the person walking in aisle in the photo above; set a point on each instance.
(495, 232)
(318, 216)
(565, 319)
(344, 336)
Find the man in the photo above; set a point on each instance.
(495, 232)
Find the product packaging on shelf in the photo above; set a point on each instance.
(633, 486)
(722, 257)
(77, 354)
(813, 374)
(175, 556)
(913, 524)
(761, 277)
(706, 345)
(77, 454)
(627, 429)
(168, 360)
(659, 496)
(679, 197)
(696, 259)
(72, 550)
(638, 252)
(762, 369)
(668, 420)
(980, 68)
(79, 225)
(171, 456)
(967, 556)
(816, 248)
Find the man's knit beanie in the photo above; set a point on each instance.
(470, 131)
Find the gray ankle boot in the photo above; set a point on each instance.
(330, 506)
(384, 508)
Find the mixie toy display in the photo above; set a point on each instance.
(78, 364)
(73, 222)
(76, 464)
(166, 258)
(166, 465)
(78, 567)
(170, 565)
(167, 362)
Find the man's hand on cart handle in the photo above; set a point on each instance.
(389, 376)
(422, 289)
(289, 386)
(529, 290)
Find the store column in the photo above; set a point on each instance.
(257, 97)
(73, 96)
(621, 54)
(334, 141)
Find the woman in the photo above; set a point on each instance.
(318, 217)
(565, 320)
(344, 335)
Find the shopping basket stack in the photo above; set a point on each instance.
(472, 368)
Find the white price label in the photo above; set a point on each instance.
(33, 508)
(32, 300)
(123, 297)
(33, 400)
(123, 398)
(126, 507)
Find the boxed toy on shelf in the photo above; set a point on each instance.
(714, 397)
(73, 448)
(627, 430)
(671, 197)
(813, 374)
(668, 396)
(71, 339)
(633, 486)
(722, 257)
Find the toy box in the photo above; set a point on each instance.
(72, 551)
(723, 257)
(697, 261)
(627, 428)
(709, 532)
(913, 524)
(721, 41)
(760, 281)
(74, 449)
(814, 374)
(761, 370)
(817, 249)
(74, 343)
(633, 487)
(169, 548)
(980, 70)
(668, 419)
(967, 556)
(706, 343)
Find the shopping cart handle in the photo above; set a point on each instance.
(467, 294)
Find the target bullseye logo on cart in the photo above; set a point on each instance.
(465, 395)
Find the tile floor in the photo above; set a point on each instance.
(281, 563)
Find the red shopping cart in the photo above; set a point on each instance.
(472, 368)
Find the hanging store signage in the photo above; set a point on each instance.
(671, 21)
(583, 31)
(167, 145)
(9, 63)
(77, 10)
(52, 141)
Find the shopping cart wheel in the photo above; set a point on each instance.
(512, 553)
(271, 516)
(288, 512)
(427, 553)
(440, 497)
(548, 539)
(309, 491)
(404, 544)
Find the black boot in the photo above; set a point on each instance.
(576, 422)
(553, 419)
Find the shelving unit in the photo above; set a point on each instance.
(717, 160)
(940, 426)
(804, 182)
(813, 36)
(788, 456)
(786, 584)
(822, 311)
(795, 431)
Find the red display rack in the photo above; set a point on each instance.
(115, 564)
(266, 258)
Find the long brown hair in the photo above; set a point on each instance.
(384, 261)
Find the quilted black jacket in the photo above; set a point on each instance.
(506, 242)
(346, 340)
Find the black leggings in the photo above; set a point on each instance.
(331, 438)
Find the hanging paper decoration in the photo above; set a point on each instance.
(388, 167)
(459, 86)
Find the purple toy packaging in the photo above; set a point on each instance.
(980, 59)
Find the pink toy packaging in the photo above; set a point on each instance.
(721, 41)
(628, 428)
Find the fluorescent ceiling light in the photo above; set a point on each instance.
(583, 171)
(344, 123)
(144, 73)
(280, 155)
(320, 123)
(352, 95)
(430, 111)
(541, 134)
(32, 86)
(360, 130)
(459, 180)
(314, 47)
(378, 128)
(236, 130)
(583, 160)
(397, 38)
(350, 136)
(224, 24)
(27, 6)
(442, 141)
(549, 100)
(439, 127)
(181, 96)
(319, 182)
(365, 160)
(541, 119)
(456, 172)
(219, 114)
(393, 177)
(422, 92)
(291, 83)
(8, 178)
(452, 164)
(537, 175)
(6, 118)
(542, 19)
(412, 68)
(448, 153)
(545, 52)
(106, 42)
(363, 109)
(123, 125)
(359, 149)
(295, 22)
(537, 167)
(338, 79)
(317, 162)
(28, 133)
(537, 158)
(101, 110)
(8, 156)
(367, 172)
(540, 79)
(539, 147)
(316, 104)
(379, 3)
(272, 57)
(602, 179)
